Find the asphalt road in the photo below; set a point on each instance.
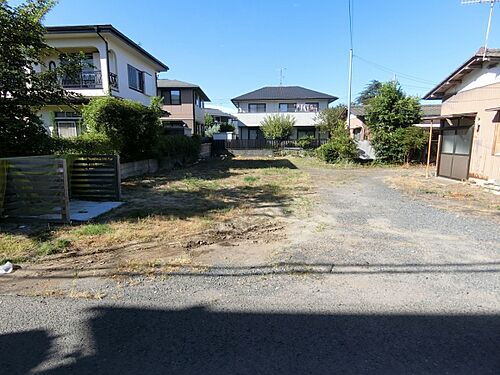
(371, 282)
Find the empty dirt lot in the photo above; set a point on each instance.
(289, 267)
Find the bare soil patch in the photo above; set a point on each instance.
(165, 219)
(461, 197)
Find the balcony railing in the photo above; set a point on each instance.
(83, 80)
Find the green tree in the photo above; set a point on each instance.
(278, 127)
(209, 120)
(409, 139)
(330, 120)
(370, 91)
(24, 86)
(387, 112)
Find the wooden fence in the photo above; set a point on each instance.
(34, 186)
(95, 177)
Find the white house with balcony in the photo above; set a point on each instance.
(301, 103)
(113, 65)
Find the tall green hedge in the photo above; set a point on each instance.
(131, 128)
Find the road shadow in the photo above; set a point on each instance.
(200, 341)
(22, 351)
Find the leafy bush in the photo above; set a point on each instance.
(277, 127)
(87, 143)
(212, 129)
(224, 128)
(132, 128)
(179, 146)
(409, 140)
(306, 142)
(339, 148)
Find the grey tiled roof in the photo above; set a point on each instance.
(283, 93)
(176, 84)
(217, 112)
(428, 110)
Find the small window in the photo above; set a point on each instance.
(175, 97)
(52, 66)
(135, 79)
(255, 108)
(67, 129)
(287, 107)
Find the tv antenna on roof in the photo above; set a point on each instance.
(492, 3)
(282, 75)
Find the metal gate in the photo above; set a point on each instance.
(454, 156)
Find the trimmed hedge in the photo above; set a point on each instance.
(179, 146)
(87, 143)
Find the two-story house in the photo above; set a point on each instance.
(114, 65)
(470, 119)
(301, 103)
(184, 104)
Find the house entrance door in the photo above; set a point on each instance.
(454, 156)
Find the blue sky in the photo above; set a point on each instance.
(232, 47)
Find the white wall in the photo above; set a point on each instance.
(478, 78)
(272, 107)
(124, 56)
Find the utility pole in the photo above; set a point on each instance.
(351, 54)
(349, 95)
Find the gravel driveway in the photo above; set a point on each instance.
(370, 281)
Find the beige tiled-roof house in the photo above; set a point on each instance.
(470, 118)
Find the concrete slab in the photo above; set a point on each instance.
(83, 210)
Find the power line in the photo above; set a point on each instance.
(389, 70)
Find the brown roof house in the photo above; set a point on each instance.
(470, 119)
(184, 103)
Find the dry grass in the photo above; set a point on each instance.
(211, 201)
(447, 194)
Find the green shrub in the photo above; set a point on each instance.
(131, 127)
(339, 148)
(179, 147)
(306, 142)
(277, 127)
(87, 143)
(224, 128)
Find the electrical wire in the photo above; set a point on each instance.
(389, 70)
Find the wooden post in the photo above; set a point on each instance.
(429, 151)
(118, 177)
(65, 213)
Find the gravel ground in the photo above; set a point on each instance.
(370, 282)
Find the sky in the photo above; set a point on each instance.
(233, 47)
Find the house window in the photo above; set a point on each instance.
(66, 129)
(135, 79)
(67, 124)
(52, 66)
(175, 97)
(256, 108)
(287, 107)
(301, 133)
